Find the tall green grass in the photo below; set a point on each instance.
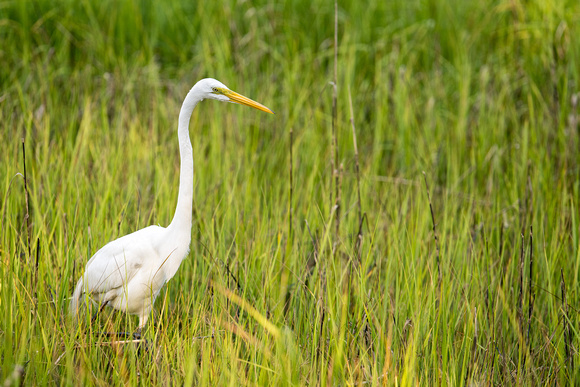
(483, 97)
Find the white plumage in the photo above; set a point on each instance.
(128, 273)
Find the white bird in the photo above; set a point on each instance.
(128, 273)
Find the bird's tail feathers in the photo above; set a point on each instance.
(76, 298)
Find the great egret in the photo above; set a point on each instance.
(128, 273)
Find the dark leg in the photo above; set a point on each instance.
(125, 335)
(99, 311)
(143, 345)
(121, 335)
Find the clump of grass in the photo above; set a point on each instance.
(278, 289)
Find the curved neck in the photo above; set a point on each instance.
(183, 212)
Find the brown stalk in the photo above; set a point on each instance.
(357, 170)
(290, 200)
(567, 336)
(531, 296)
(26, 195)
(334, 156)
(521, 287)
(434, 236)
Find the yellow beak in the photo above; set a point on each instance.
(238, 98)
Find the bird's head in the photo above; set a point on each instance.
(213, 89)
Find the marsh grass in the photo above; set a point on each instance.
(481, 96)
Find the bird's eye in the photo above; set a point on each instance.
(215, 89)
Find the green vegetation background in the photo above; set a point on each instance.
(481, 96)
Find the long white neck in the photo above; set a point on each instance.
(181, 222)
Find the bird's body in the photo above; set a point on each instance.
(128, 273)
(123, 276)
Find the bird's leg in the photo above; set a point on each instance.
(143, 344)
(127, 335)
(109, 334)
(142, 321)
(137, 334)
(124, 335)
(99, 311)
